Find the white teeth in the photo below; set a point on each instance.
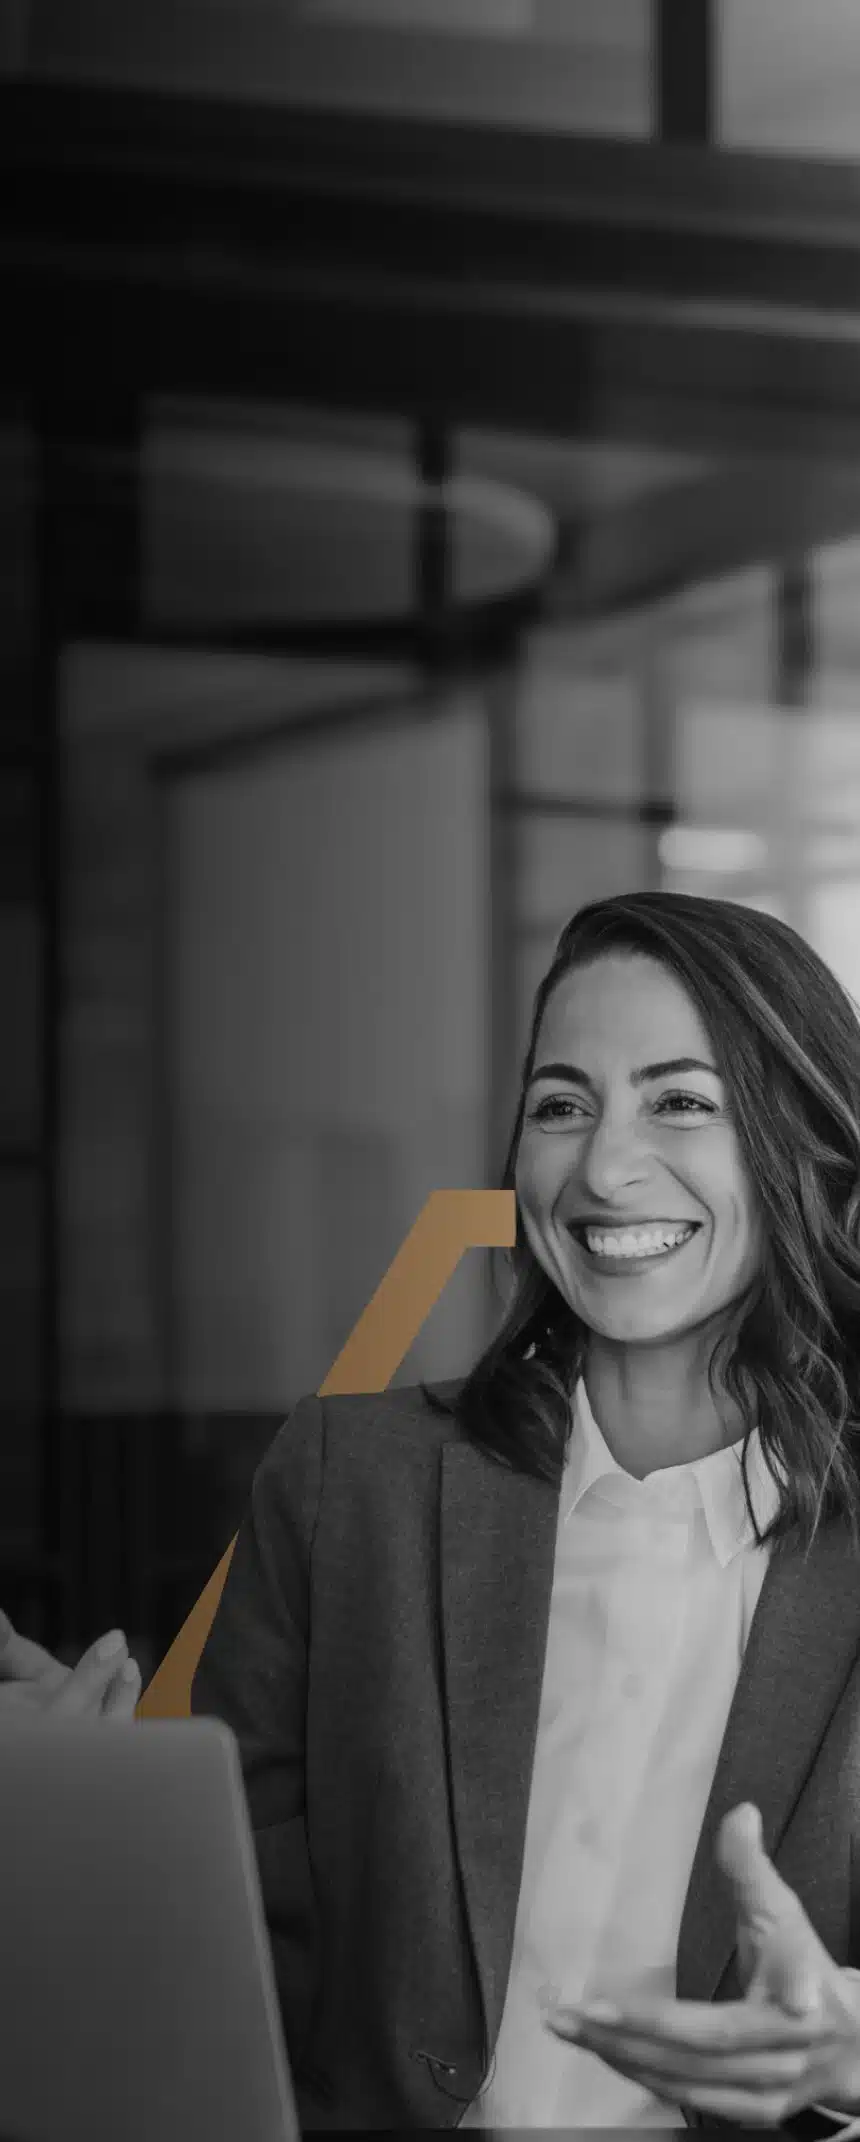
(650, 1242)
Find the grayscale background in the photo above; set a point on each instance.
(429, 499)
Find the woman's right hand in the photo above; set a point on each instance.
(104, 1684)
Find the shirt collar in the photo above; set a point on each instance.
(713, 1484)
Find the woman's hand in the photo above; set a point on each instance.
(104, 1684)
(793, 2041)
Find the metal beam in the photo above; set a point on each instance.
(684, 53)
(591, 289)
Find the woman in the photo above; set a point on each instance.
(507, 1661)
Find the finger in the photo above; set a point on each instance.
(680, 2055)
(762, 2107)
(721, 2025)
(758, 2070)
(647, 2078)
(123, 1692)
(761, 1896)
(22, 1660)
(84, 1689)
(794, 1976)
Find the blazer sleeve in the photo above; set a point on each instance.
(253, 1674)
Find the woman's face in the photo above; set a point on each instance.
(629, 1176)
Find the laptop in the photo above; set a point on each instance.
(137, 1992)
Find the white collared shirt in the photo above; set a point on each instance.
(655, 1585)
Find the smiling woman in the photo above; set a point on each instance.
(635, 1200)
(510, 1662)
(691, 1062)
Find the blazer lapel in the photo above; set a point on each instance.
(802, 1645)
(498, 1532)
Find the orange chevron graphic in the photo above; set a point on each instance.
(451, 1221)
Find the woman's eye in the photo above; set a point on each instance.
(561, 1108)
(685, 1101)
(553, 1109)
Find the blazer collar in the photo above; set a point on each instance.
(497, 1551)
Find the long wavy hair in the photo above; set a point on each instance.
(786, 1038)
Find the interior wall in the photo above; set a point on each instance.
(120, 709)
(329, 1047)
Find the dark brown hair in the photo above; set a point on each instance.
(786, 1038)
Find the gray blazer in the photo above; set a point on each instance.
(378, 1650)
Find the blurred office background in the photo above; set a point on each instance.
(430, 499)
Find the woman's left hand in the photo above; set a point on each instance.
(794, 2039)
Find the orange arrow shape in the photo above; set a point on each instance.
(451, 1221)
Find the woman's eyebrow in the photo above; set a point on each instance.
(576, 1077)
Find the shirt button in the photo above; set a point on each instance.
(589, 1834)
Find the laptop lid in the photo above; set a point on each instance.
(137, 1992)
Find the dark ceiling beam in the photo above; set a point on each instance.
(684, 45)
(590, 288)
(503, 362)
(139, 178)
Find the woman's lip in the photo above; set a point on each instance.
(624, 1227)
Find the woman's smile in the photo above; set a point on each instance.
(628, 1251)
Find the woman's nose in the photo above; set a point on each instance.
(614, 1155)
